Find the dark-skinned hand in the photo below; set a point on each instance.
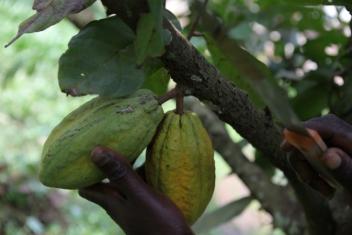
(337, 134)
(130, 202)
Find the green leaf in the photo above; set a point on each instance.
(221, 215)
(341, 103)
(173, 19)
(145, 31)
(157, 81)
(11, 72)
(314, 49)
(254, 71)
(100, 60)
(49, 12)
(147, 43)
(262, 161)
(231, 73)
(242, 31)
(151, 37)
(308, 2)
(311, 99)
(157, 77)
(156, 8)
(157, 43)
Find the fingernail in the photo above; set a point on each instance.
(283, 144)
(98, 154)
(332, 160)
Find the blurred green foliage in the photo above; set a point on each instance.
(307, 49)
(31, 104)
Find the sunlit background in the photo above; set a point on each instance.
(31, 104)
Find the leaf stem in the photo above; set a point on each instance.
(179, 100)
(167, 96)
(196, 21)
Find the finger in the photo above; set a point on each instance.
(141, 172)
(112, 164)
(119, 171)
(286, 146)
(327, 125)
(100, 194)
(301, 166)
(333, 130)
(308, 175)
(322, 187)
(340, 163)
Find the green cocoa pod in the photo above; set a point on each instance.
(125, 125)
(180, 163)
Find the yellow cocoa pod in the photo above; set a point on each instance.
(126, 125)
(180, 163)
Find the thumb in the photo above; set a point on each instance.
(112, 164)
(340, 163)
(100, 194)
(118, 170)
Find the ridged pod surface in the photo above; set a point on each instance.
(125, 125)
(180, 163)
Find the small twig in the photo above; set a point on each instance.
(198, 34)
(179, 100)
(196, 21)
(167, 96)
